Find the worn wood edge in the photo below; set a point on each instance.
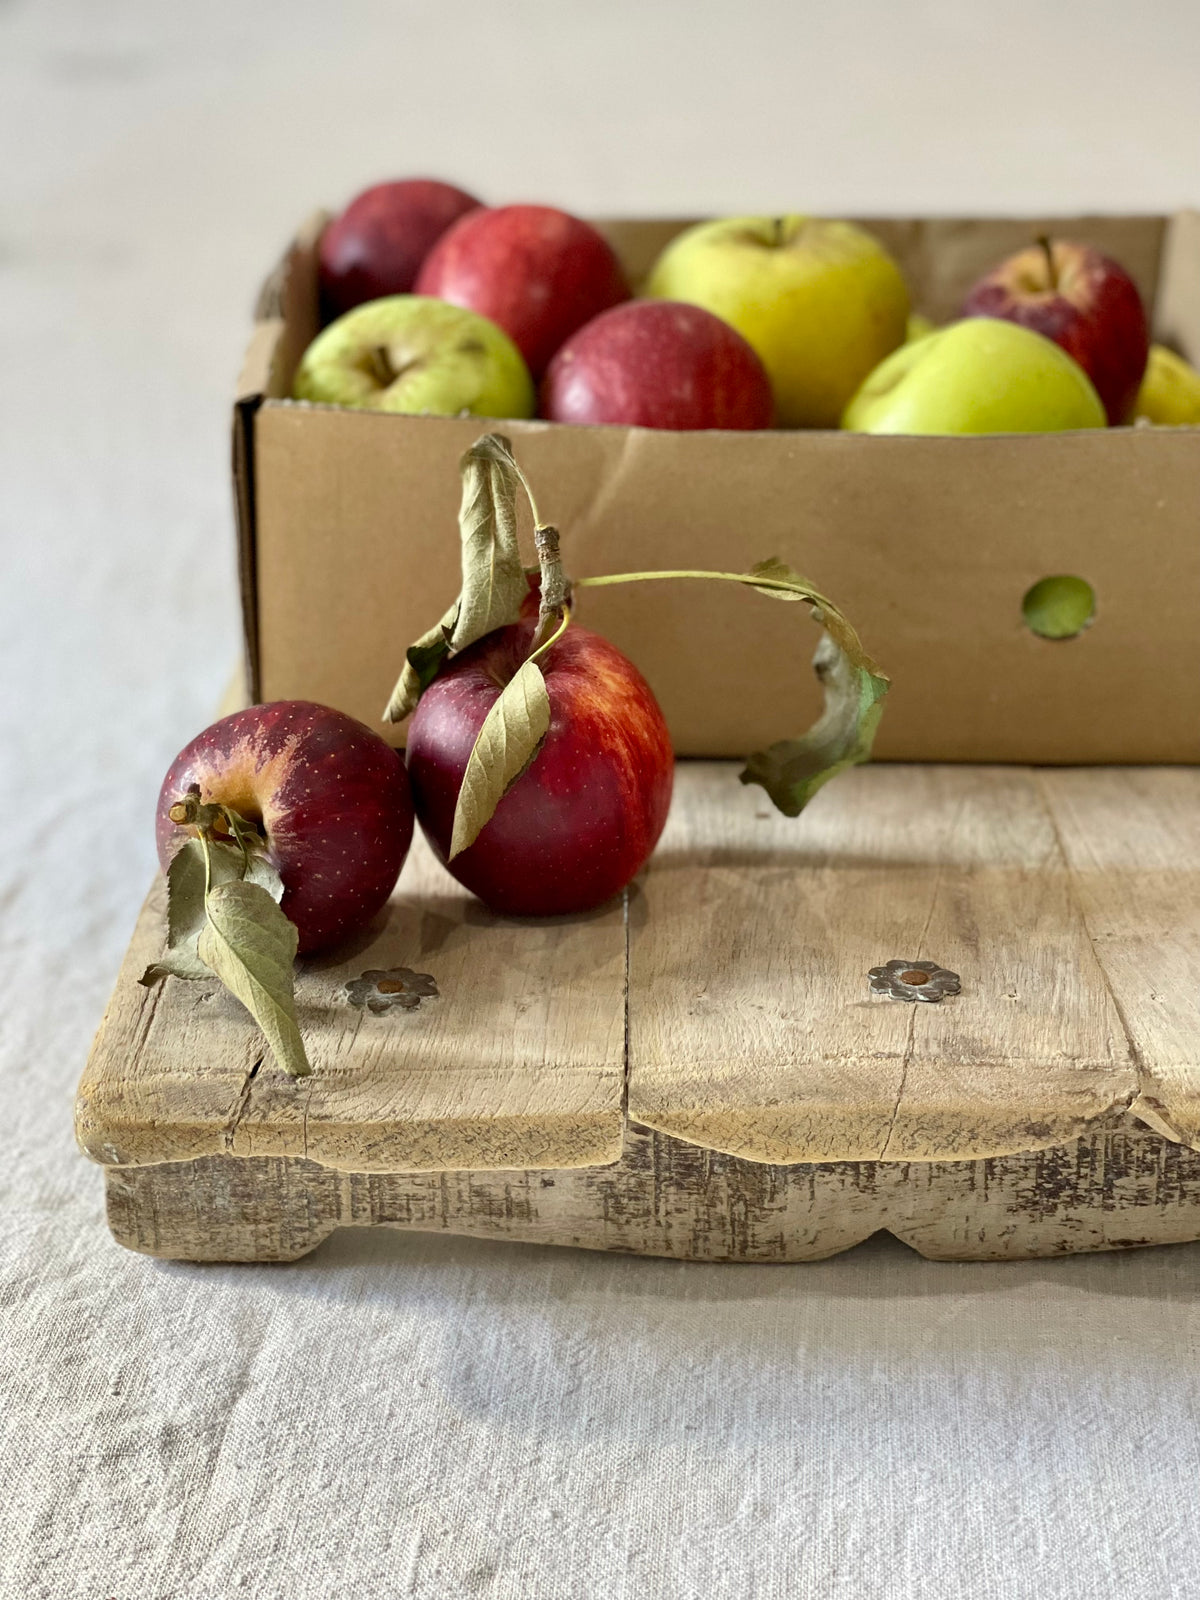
(1119, 1187)
(103, 1129)
(111, 1127)
(1150, 1110)
(426, 1145)
(431, 1144)
(808, 1134)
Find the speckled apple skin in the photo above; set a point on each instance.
(1095, 314)
(583, 818)
(658, 364)
(331, 797)
(538, 272)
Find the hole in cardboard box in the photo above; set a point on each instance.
(1059, 607)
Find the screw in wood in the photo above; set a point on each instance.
(914, 980)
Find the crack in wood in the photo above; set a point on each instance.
(1136, 1059)
(304, 1116)
(910, 1044)
(242, 1103)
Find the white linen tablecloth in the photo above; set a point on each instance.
(428, 1416)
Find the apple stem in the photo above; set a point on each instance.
(555, 590)
(212, 822)
(554, 637)
(1048, 250)
(682, 572)
(382, 370)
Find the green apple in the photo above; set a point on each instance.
(1170, 391)
(821, 302)
(981, 375)
(918, 327)
(408, 352)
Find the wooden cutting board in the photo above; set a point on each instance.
(702, 1069)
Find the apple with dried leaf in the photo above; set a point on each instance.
(581, 821)
(540, 761)
(326, 796)
(281, 829)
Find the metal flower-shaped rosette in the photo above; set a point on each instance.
(914, 980)
(397, 988)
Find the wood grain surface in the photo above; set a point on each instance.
(1065, 900)
(1120, 1186)
(519, 1060)
(1132, 840)
(752, 1029)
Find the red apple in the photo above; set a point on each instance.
(330, 797)
(584, 816)
(538, 272)
(1082, 300)
(658, 364)
(377, 245)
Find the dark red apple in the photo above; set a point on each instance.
(377, 245)
(329, 796)
(538, 272)
(658, 364)
(582, 819)
(1082, 300)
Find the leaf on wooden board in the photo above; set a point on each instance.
(507, 742)
(422, 663)
(493, 576)
(792, 770)
(250, 945)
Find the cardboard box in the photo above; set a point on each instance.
(349, 548)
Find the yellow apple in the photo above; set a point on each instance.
(821, 302)
(1170, 391)
(918, 327)
(981, 375)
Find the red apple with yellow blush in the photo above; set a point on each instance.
(582, 819)
(1086, 302)
(329, 797)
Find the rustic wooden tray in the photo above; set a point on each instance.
(703, 1071)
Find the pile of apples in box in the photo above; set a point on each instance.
(444, 306)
